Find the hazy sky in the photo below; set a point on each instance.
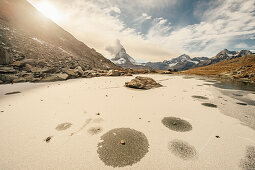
(154, 30)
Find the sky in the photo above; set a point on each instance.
(157, 30)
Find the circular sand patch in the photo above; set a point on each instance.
(63, 126)
(182, 149)
(177, 124)
(122, 147)
(248, 163)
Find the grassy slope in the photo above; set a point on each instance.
(239, 68)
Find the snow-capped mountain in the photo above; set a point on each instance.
(223, 56)
(126, 61)
(183, 62)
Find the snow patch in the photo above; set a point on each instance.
(120, 61)
(196, 62)
(64, 51)
(172, 65)
(39, 41)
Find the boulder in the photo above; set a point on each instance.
(62, 76)
(7, 70)
(5, 57)
(29, 77)
(1, 82)
(167, 72)
(80, 71)
(114, 73)
(31, 62)
(71, 72)
(55, 77)
(8, 78)
(28, 67)
(145, 83)
(19, 80)
(18, 63)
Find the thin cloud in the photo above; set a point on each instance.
(99, 23)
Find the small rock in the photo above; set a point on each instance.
(113, 73)
(48, 139)
(123, 142)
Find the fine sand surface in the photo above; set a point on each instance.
(100, 124)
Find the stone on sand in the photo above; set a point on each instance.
(145, 83)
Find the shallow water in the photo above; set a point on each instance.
(224, 84)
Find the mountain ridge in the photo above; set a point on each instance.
(185, 62)
(124, 60)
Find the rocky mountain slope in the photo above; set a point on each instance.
(124, 60)
(241, 69)
(33, 48)
(223, 56)
(183, 62)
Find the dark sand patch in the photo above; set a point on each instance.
(113, 152)
(209, 105)
(15, 92)
(182, 149)
(95, 130)
(243, 104)
(63, 126)
(201, 97)
(248, 163)
(177, 124)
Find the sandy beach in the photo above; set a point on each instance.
(79, 124)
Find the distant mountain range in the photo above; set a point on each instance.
(185, 62)
(124, 60)
(238, 68)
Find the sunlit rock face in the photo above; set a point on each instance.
(123, 59)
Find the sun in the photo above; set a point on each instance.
(49, 10)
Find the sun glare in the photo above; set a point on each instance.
(49, 10)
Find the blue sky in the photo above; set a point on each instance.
(155, 30)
